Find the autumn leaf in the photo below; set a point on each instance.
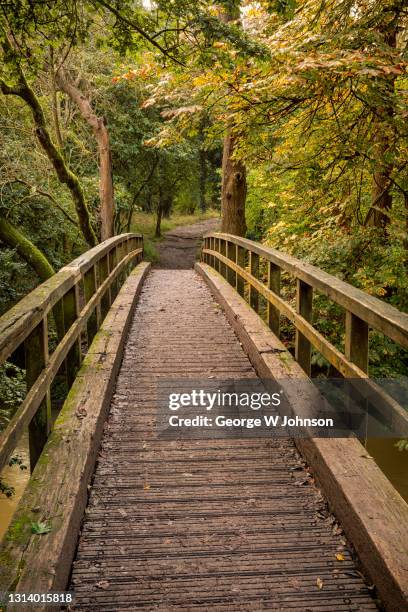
(319, 583)
(102, 584)
(340, 557)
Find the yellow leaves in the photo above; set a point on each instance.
(319, 583)
(340, 557)
(146, 486)
(176, 112)
(149, 102)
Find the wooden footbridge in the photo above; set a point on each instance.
(126, 519)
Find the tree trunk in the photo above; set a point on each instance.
(234, 185)
(159, 214)
(65, 176)
(15, 239)
(98, 125)
(203, 179)
(233, 191)
(381, 198)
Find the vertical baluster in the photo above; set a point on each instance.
(274, 280)
(304, 306)
(103, 275)
(204, 256)
(90, 289)
(240, 259)
(356, 344)
(212, 247)
(231, 254)
(70, 306)
(254, 270)
(217, 248)
(223, 251)
(36, 358)
(113, 259)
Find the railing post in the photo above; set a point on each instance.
(90, 289)
(223, 251)
(70, 306)
(356, 342)
(274, 280)
(304, 307)
(239, 281)
(103, 275)
(217, 248)
(231, 254)
(212, 246)
(206, 257)
(36, 358)
(254, 270)
(113, 260)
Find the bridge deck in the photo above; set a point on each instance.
(209, 524)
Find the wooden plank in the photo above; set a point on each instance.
(274, 281)
(398, 418)
(240, 261)
(85, 261)
(11, 434)
(304, 306)
(197, 532)
(376, 313)
(254, 272)
(356, 343)
(29, 563)
(36, 359)
(89, 291)
(103, 274)
(231, 254)
(70, 306)
(18, 322)
(357, 490)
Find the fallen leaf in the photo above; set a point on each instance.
(319, 583)
(102, 584)
(340, 557)
(146, 486)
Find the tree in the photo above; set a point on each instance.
(99, 128)
(23, 90)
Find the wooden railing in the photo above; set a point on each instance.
(239, 261)
(73, 302)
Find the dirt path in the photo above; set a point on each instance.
(179, 248)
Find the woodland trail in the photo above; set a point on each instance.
(178, 249)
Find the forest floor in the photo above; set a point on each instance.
(179, 247)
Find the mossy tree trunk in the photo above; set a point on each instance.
(65, 175)
(15, 239)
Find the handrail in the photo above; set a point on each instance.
(78, 298)
(227, 254)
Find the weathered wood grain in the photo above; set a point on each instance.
(57, 491)
(377, 314)
(371, 511)
(40, 387)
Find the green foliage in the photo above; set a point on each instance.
(12, 390)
